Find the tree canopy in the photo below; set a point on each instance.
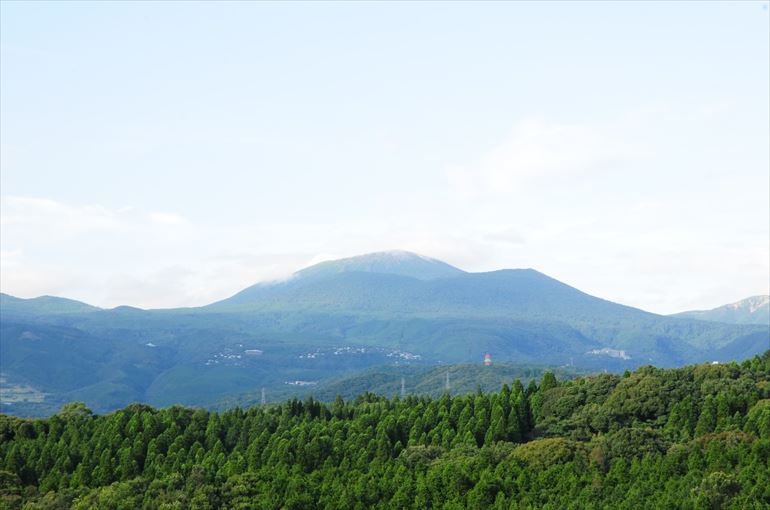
(696, 437)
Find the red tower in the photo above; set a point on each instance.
(487, 360)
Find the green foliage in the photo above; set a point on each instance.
(74, 411)
(543, 453)
(695, 437)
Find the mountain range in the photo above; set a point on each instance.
(330, 321)
(752, 310)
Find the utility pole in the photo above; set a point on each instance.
(403, 388)
(446, 385)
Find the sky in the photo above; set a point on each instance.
(163, 154)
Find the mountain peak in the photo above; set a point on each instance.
(43, 304)
(752, 310)
(398, 262)
(752, 304)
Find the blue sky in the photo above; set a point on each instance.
(167, 154)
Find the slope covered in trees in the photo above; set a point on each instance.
(315, 326)
(419, 380)
(696, 437)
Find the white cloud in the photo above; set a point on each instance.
(51, 247)
(536, 150)
(507, 235)
(167, 218)
(61, 220)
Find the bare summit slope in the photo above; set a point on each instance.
(752, 310)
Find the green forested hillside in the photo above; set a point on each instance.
(329, 321)
(419, 380)
(696, 437)
(161, 356)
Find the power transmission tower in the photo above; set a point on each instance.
(263, 397)
(403, 388)
(446, 385)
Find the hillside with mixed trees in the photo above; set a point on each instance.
(331, 320)
(696, 437)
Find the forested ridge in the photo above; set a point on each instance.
(696, 437)
(335, 319)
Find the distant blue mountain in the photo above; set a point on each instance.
(337, 318)
(396, 263)
(388, 288)
(43, 305)
(752, 310)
